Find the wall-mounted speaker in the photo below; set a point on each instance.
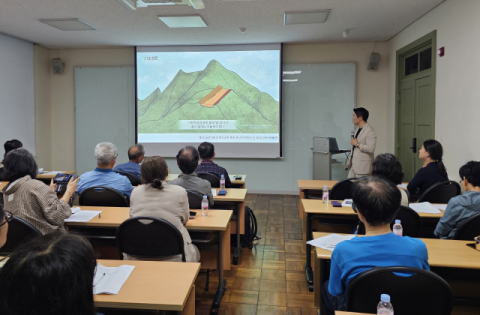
(58, 65)
(374, 61)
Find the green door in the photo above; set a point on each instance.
(415, 110)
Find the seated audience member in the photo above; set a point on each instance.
(433, 170)
(376, 201)
(103, 175)
(5, 217)
(187, 161)
(387, 166)
(30, 199)
(157, 199)
(462, 207)
(52, 274)
(9, 146)
(207, 153)
(136, 154)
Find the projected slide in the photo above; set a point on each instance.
(216, 96)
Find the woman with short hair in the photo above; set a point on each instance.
(388, 166)
(52, 274)
(169, 202)
(433, 170)
(30, 199)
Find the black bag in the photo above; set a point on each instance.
(247, 239)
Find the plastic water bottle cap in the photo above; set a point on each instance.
(205, 197)
(325, 186)
(222, 175)
(385, 298)
(398, 221)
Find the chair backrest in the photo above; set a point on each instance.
(134, 180)
(441, 192)
(100, 196)
(411, 222)
(214, 179)
(423, 292)
(149, 237)
(342, 189)
(194, 199)
(468, 229)
(19, 232)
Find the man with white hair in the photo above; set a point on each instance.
(103, 175)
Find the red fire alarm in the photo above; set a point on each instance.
(441, 52)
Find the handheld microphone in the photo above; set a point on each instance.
(352, 134)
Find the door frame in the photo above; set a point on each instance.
(400, 55)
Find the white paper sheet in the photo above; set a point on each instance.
(109, 280)
(404, 186)
(424, 207)
(214, 192)
(330, 241)
(83, 216)
(53, 173)
(347, 203)
(75, 210)
(441, 206)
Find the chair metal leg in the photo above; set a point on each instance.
(208, 280)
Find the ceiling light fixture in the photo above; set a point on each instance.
(197, 4)
(290, 80)
(68, 24)
(129, 4)
(292, 72)
(305, 17)
(242, 29)
(183, 21)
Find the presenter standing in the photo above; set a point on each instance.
(364, 142)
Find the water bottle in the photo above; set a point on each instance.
(325, 194)
(222, 182)
(204, 206)
(397, 228)
(384, 307)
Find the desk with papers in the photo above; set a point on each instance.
(441, 253)
(154, 285)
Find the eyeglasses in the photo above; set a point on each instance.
(8, 217)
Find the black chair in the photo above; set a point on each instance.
(468, 229)
(342, 189)
(19, 232)
(411, 222)
(134, 180)
(149, 237)
(214, 179)
(100, 196)
(423, 292)
(194, 199)
(441, 192)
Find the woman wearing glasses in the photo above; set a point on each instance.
(30, 199)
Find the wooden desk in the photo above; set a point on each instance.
(3, 184)
(350, 313)
(240, 182)
(154, 285)
(316, 208)
(441, 253)
(45, 176)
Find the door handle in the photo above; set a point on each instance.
(414, 145)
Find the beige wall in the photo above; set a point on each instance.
(371, 87)
(457, 79)
(63, 97)
(43, 122)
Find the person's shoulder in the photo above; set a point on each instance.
(172, 188)
(369, 127)
(415, 245)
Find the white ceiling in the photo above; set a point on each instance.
(368, 20)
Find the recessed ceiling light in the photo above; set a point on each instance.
(183, 21)
(306, 17)
(290, 80)
(68, 24)
(292, 72)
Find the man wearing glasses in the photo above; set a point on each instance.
(103, 175)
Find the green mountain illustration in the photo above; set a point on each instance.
(254, 111)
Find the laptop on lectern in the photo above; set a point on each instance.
(333, 144)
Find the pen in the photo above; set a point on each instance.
(99, 278)
(99, 215)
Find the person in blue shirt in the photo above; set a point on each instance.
(136, 154)
(103, 175)
(376, 201)
(461, 207)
